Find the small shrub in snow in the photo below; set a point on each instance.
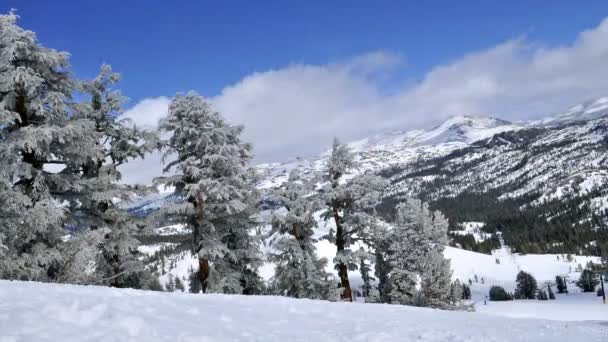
(551, 295)
(498, 293)
(587, 281)
(526, 286)
(561, 284)
(466, 292)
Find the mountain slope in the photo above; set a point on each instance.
(547, 187)
(544, 184)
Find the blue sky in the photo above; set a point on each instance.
(162, 47)
(298, 73)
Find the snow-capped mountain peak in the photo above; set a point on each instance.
(588, 110)
(459, 129)
(464, 129)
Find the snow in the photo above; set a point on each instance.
(149, 250)
(176, 229)
(570, 307)
(544, 267)
(50, 312)
(473, 228)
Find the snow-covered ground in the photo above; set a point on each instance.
(570, 307)
(48, 312)
(500, 268)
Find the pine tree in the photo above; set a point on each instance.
(179, 285)
(365, 270)
(380, 243)
(498, 293)
(373, 296)
(435, 281)
(94, 206)
(42, 148)
(561, 284)
(526, 286)
(456, 292)
(587, 281)
(550, 292)
(415, 251)
(194, 282)
(170, 286)
(217, 194)
(466, 292)
(299, 272)
(349, 205)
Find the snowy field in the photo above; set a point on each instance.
(49, 312)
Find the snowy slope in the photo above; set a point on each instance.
(588, 110)
(397, 147)
(50, 312)
(499, 268)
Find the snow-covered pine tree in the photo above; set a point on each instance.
(456, 292)
(414, 253)
(404, 255)
(365, 269)
(42, 148)
(299, 272)
(435, 281)
(380, 242)
(194, 281)
(209, 162)
(350, 206)
(179, 285)
(94, 204)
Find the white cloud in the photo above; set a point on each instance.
(298, 109)
(147, 112)
(145, 115)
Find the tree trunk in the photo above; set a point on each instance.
(203, 273)
(342, 267)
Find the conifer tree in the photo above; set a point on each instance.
(435, 281)
(526, 286)
(349, 206)
(587, 281)
(216, 191)
(95, 205)
(365, 270)
(466, 291)
(299, 272)
(561, 284)
(456, 292)
(194, 282)
(179, 285)
(42, 148)
(379, 244)
(550, 292)
(415, 251)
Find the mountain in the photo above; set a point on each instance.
(543, 184)
(589, 110)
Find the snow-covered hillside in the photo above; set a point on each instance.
(49, 312)
(382, 151)
(499, 268)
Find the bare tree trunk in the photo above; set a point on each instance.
(203, 273)
(342, 267)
